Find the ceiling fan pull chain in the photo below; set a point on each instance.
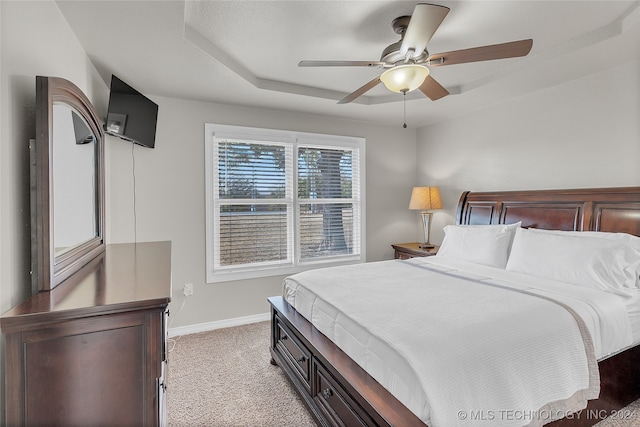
(404, 102)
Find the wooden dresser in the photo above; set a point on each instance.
(92, 351)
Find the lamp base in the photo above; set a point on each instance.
(426, 227)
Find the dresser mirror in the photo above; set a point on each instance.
(67, 191)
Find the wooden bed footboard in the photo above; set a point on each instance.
(339, 392)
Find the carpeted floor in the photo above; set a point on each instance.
(627, 417)
(223, 378)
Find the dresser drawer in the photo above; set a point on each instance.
(335, 402)
(295, 353)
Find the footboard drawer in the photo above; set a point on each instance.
(296, 355)
(334, 401)
(335, 397)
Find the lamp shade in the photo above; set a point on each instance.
(404, 78)
(423, 198)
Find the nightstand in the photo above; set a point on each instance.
(411, 250)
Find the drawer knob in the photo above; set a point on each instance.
(301, 359)
(327, 393)
(284, 337)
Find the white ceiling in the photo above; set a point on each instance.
(246, 52)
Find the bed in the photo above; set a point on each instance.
(340, 389)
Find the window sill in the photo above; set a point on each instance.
(229, 276)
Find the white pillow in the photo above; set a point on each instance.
(586, 260)
(621, 238)
(482, 244)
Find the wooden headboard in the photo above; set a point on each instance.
(588, 209)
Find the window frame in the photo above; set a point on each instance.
(293, 140)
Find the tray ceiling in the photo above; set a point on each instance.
(246, 52)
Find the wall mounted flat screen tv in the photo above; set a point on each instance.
(131, 115)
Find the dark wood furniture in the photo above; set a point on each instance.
(411, 250)
(92, 351)
(338, 392)
(62, 107)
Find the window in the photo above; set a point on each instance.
(280, 202)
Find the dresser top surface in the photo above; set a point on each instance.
(124, 277)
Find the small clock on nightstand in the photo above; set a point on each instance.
(411, 250)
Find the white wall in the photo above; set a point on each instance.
(170, 198)
(35, 40)
(584, 133)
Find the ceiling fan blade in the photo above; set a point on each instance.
(353, 95)
(482, 53)
(424, 22)
(340, 63)
(433, 89)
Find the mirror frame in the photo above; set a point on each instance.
(47, 269)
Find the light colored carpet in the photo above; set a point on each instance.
(223, 378)
(626, 417)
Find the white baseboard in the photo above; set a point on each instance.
(218, 324)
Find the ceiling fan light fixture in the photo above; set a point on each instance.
(404, 78)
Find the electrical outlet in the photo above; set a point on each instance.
(188, 289)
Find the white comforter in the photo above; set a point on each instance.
(466, 345)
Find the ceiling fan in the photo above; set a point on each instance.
(406, 61)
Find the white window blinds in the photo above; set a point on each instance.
(328, 202)
(269, 212)
(254, 203)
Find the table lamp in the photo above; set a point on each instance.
(424, 198)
